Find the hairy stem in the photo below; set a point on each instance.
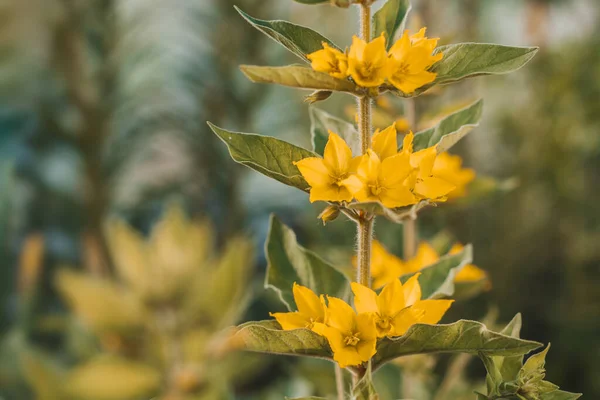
(339, 382)
(364, 242)
(409, 238)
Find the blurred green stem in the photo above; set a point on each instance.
(339, 382)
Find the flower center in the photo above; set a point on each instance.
(352, 339)
(310, 324)
(401, 70)
(384, 324)
(375, 189)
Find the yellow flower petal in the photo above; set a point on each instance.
(433, 310)
(308, 303)
(367, 63)
(365, 300)
(314, 171)
(391, 299)
(405, 319)
(340, 315)
(330, 193)
(412, 290)
(395, 170)
(291, 320)
(399, 196)
(433, 188)
(337, 156)
(385, 143)
(329, 60)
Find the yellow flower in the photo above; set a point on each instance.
(449, 168)
(325, 175)
(385, 143)
(409, 59)
(424, 257)
(311, 310)
(352, 337)
(470, 272)
(382, 181)
(367, 62)
(424, 181)
(398, 306)
(330, 60)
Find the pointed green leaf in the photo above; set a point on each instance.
(322, 122)
(298, 77)
(460, 337)
(391, 18)
(288, 262)
(267, 337)
(364, 389)
(509, 367)
(560, 395)
(464, 60)
(437, 280)
(536, 362)
(450, 129)
(269, 156)
(300, 40)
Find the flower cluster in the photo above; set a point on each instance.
(394, 178)
(405, 65)
(386, 267)
(352, 335)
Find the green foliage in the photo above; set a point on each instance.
(267, 337)
(298, 39)
(460, 337)
(451, 129)
(269, 156)
(322, 122)
(298, 77)
(288, 262)
(437, 280)
(312, 1)
(364, 388)
(391, 18)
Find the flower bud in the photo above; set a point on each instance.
(329, 214)
(319, 95)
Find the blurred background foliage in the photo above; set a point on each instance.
(102, 118)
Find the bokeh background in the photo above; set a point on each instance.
(102, 115)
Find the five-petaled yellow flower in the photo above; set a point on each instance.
(352, 337)
(409, 60)
(424, 181)
(311, 310)
(325, 175)
(367, 62)
(398, 306)
(331, 61)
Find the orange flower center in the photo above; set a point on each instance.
(352, 339)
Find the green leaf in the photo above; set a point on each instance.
(390, 18)
(288, 262)
(437, 280)
(323, 122)
(312, 1)
(464, 60)
(460, 337)
(450, 129)
(269, 156)
(267, 337)
(468, 289)
(364, 389)
(300, 40)
(298, 77)
(108, 378)
(560, 395)
(536, 362)
(509, 367)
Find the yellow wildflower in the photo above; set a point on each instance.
(311, 310)
(325, 175)
(449, 168)
(424, 182)
(330, 60)
(352, 337)
(470, 272)
(409, 59)
(385, 142)
(382, 181)
(398, 306)
(367, 62)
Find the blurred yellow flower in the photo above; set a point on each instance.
(367, 62)
(426, 182)
(325, 175)
(331, 61)
(352, 337)
(382, 181)
(398, 306)
(449, 168)
(311, 310)
(386, 267)
(409, 59)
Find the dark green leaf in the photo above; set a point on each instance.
(390, 18)
(269, 156)
(437, 280)
(561, 395)
(298, 77)
(288, 262)
(267, 337)
(323, 122)
(509, 367)
(460, 337)
(450, 129)
(300, 40)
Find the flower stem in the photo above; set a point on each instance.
(339, 382)
(409, 238)
(364, 243)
